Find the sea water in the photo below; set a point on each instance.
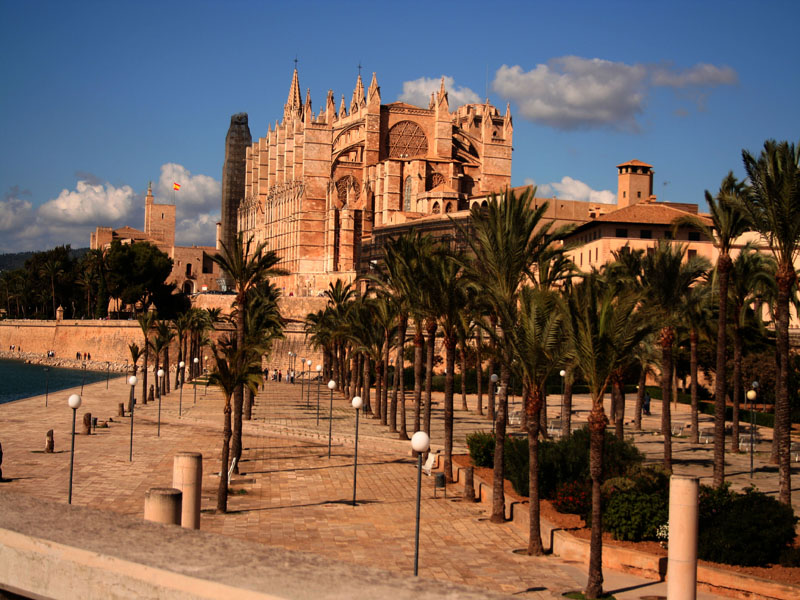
(19, 379)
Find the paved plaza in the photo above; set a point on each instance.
(290, 494)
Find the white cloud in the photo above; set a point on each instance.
(700, 75)
(572, 92)
(197, 203)
(418, 92)
(89, 204)
(199, 230)
(14, 211)
(573, 189)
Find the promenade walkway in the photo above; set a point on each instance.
(289, 493)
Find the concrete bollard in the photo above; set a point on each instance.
(469, 484)
(163, 505)
(682, 553)
(49, 442)
(187, 476)
(87, 424)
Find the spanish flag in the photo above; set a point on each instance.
(176, 186)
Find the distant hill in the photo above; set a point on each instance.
(16, 260)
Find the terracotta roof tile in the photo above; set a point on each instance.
(634, 163)
(645, 213)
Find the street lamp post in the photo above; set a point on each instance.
(205, 368)
(46, 385)
(357, 404)
(308, 387)
(751, 396)
(420, 442)
(132, 383)
(331, 387)
(180, 397)
(160, 375)
(108, 372)
(194, 378)
(289, 370)
(563, 374)
(494, 379)
(319, 384)
(302, 370)
(74, 402)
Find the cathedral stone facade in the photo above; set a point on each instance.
(318, 185)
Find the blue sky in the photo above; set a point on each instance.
(98, 98)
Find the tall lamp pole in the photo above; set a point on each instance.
(132, 383)
(308, 387)
(180, 398)
(302, 370)
(319, 384)
(160, 376)
(108, 372)
(494, 379)
(563, 374)
(357, 404)
(195, 360)
(331, 387)
(751, 396)
(420, 442)
(46, 385)
(74, 402)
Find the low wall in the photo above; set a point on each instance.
(50, 550)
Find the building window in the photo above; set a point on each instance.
(407, 195)
(188, 269)
(646, 234)
(694, 236)
(624, 194)
(692, 253)
(621, 233)
(595, 254)
(667, 235)
(638, 194)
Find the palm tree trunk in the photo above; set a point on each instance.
(464, 377)
(785, 278)
(773, 457)
(640, 390)
(222, 489)
(144, 372)
(450, 363)
(693, 338)
(619, 415)
(165, 379)
(566, 405)
(490, 408)
(367, 384)
(723, 271)
(377, 410)
(430, 348)
(597, 429)
(533, 403)
(238, 394)
(418, 343)
(498, 493)
(400, 362)
(385, 397)
(667, 338)
(479, 369)
(737, 384)
(248, 405)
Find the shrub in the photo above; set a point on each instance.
(481, 448)
(566, 460)
(750, 529)
(635, 515)
(573, 498)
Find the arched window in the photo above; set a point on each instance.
(448, 207)
(436, 209)
(188, 269)
(407, 195)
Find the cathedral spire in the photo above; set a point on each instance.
(358, 95)
(148, 199)
(294, 105)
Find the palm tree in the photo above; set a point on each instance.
(236, 366)
(773, 205)
(247, 265)
(52, 269)
(750, 272)
(263, 325)
(507, 239)
(605, 329)
(667, 279)
(164, 337)
(136, 353)
(728, 222)
(539, 344)
(146, 323)
(446, 295)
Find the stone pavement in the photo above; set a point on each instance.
(289, 493)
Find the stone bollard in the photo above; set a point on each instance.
(49, 442)
(163, 505)
(682, 552)
(469, 484)
(87, 424)
(121, 410)
(187, 476)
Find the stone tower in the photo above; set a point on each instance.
(159, 220)
(634, 183)
(233, 175)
